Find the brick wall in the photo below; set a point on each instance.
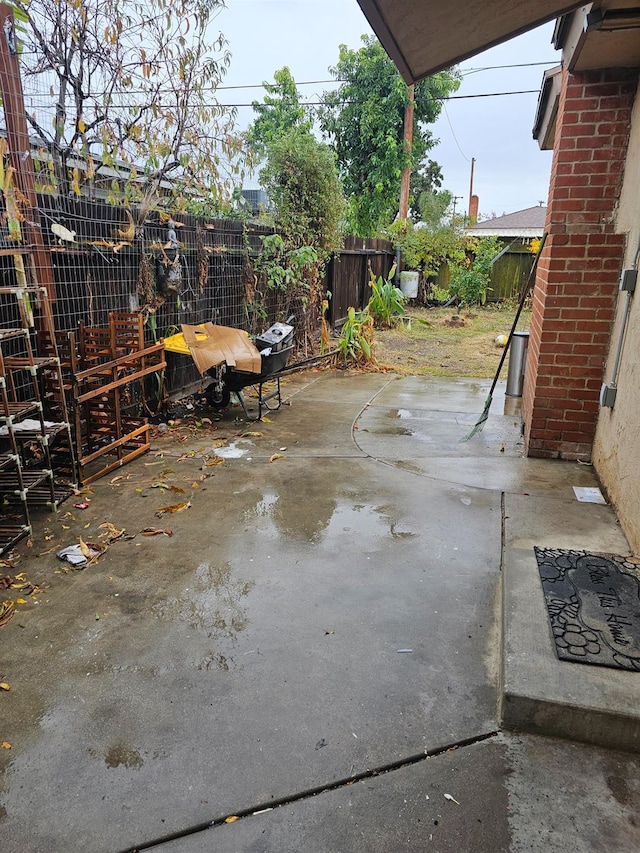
(576, 285)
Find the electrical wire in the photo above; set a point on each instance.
(455, 139)
(123, 104)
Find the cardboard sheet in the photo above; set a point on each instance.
(177, 343)
(212, 345)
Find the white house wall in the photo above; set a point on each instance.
(616, 451)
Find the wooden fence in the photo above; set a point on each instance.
(347, 275)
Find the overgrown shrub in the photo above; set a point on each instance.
(470, 280)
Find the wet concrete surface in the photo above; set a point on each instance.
(312, 620)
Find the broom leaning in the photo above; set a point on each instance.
(525, 292)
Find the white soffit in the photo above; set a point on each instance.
(425, 36)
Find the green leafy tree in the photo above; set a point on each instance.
(427, 248)
(434, 207)
(280, 112)
(363, 119)
(130, 86)
(427, 180)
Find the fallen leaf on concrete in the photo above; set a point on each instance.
(231, 819)
(276, 456)
(173, 508)
(86, 551)
(452, 799)
(329, 632)
(153, 531)
(85, 491)
(21, 600)
(112, 533)
(5, 686)
(217, 460)
(5, 744)
(7, 610)
(5, 582)
(251, 434)
(177, 490)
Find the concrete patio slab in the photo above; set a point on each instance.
(541, 693)
(518, 794)
(311, 620)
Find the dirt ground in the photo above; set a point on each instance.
(439, 342)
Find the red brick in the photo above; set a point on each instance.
(567, 205)
(588, 131)
(593, 302)
(608, 154)
(610, 128)
(590, 192)
(578, 103)
(576, 156)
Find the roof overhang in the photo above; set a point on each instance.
(425, 36)
(544, 127)
(600, 35)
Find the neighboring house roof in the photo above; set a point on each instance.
(522, 223)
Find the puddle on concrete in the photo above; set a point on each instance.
(365, 521)
(301, 513)
(123, 756)
(318, 518)
(212, 604)
(233, 450)
(395, 431)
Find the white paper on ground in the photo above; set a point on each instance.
(589, 494)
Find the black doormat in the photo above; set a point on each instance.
(593, 602)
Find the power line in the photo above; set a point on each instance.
(335, 80)
(455, 138)
(123, 105)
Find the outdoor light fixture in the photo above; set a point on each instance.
(612, 20)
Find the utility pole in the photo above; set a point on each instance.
(408, 143)
(455, 199)
(473, 199)
(473, 163)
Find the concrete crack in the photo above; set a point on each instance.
(312, 792)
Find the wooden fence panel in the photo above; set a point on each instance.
(347, 278)
(509, 275)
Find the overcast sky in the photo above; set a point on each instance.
(511, 173)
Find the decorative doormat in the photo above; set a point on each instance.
(593, 602)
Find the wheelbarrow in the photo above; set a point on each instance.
(263, 359)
